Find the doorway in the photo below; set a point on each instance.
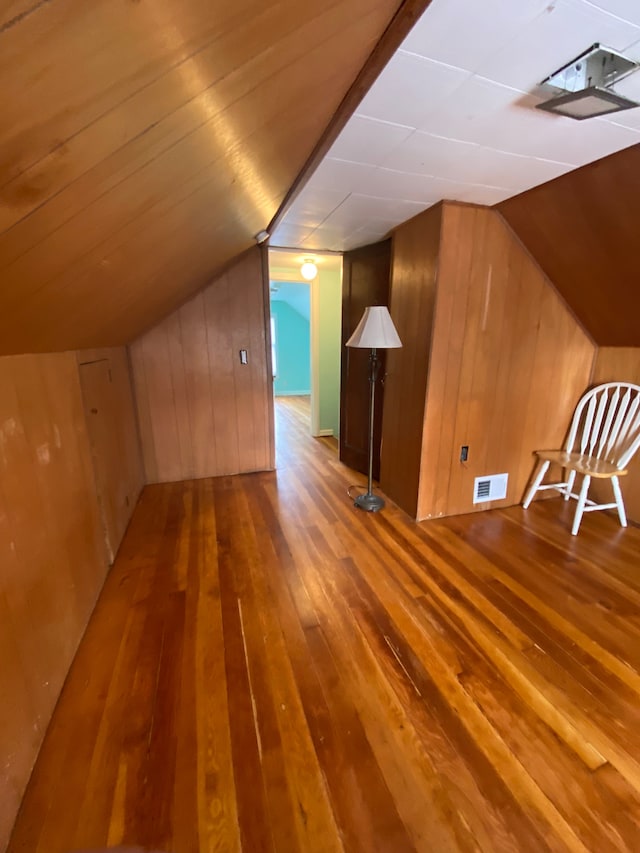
(291, 338)
(290, 303)
(306, 331)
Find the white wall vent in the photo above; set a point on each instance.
(491, 488)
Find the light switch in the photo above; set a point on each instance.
(243, 357)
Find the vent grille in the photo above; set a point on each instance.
(483, 489)
(490, 488)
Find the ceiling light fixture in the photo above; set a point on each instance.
(309, 270)
(584, 84)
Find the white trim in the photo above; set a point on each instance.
(324, 432)
(314, 335)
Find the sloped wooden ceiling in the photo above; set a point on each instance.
(584, 230)
(144, 142)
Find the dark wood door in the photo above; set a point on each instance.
(365, 281)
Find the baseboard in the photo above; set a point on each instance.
(323, 433)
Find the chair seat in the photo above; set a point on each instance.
(581, 464)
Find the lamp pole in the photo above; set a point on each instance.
(369, 501)
(374, 331)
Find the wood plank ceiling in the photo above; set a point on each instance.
(144, 144)
(583, 228)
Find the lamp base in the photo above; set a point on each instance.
(369, 502)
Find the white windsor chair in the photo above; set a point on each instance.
(604, 435)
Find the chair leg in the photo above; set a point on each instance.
(581, 502)
(535, 484)
(619, 502)
(569, 486)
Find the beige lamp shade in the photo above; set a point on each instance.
(375, 330)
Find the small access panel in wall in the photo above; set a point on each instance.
(490, 488)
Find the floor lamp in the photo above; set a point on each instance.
(375, 331)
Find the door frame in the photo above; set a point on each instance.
(314, 326)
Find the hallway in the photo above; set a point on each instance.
(268, 669)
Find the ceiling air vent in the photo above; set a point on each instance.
(582, 88)
(491, 488)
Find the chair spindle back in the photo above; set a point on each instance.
(606, 423)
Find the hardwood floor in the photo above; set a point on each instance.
(269, 669)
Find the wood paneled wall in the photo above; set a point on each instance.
(413, 290)
(52, 554)
(201, 412)
(582, 228)
(620, 364)
(366, 273)
(144, 144)
(503, 362)
(508, 363)
(107, 393)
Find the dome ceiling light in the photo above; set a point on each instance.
(309, 270)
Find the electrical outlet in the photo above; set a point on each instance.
(464, 452)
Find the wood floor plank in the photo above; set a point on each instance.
(270, 669)
(218, 827)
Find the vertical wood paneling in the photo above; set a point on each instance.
(51, 556)
(197, 385)
(113, 435)
(151, 355)
(413, 284)
(582, 234)
(141, 148)
(492, 358)
(220, 371)
(366, 273)
(515, 361)
(253, 383)
(444, 382)
(620, 364)
(202, 413)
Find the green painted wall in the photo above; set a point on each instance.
(293, 359)
(329, 287)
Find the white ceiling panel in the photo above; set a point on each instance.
(453, 117)
(630, 88)
(363, 237)
(465, 34)
(629, 119)
(342, 175)
(325, 238)
(427, 154)
(290, 234)
(393, 184)
(490, 114)
(468, 162)
(603, 137)
(628, 10)
(479, 194)
(409, 88)
(312, 206)
(552, 40)
(498, 117)
(368, 140)
(356, 208)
